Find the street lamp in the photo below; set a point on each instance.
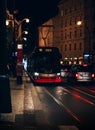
(25, 19)
(26, 32)
(7, 22)
(20, 51)
(79, 23)
(20, 36)
(20, 25)
(24, 38)
(88, 56)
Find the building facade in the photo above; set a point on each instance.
(75, 41)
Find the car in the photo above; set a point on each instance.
(64, 72)
(81, 73)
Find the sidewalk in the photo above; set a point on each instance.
(17, 99)
(26, 107)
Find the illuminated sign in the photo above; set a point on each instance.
(19, 53)
(19, 46)
(45, 49)
(40, 50)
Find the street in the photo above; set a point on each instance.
(51, 107)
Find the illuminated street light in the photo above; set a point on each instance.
(25, 19)
(79, 23)
(7, 22)
(26, 32)
(20, 37)
(20, 25)
(24, 38)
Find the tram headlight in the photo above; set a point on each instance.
(36, 73)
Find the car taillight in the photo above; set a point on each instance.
(93, 75)
(77, 75)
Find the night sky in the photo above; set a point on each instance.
(38, 11)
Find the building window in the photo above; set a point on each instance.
(80, 17)
(65, 11)
(70, 21)
(80, 46)
(66, 23)
(70, 47)
(80, 32)
(80, 5)
(75, 20)
(74, 46)
(65, 35)
(75, 34)
(61, 13)
(70, 35)
(65, 47)
(75, 7)
(70, 9)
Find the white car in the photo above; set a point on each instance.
(81, 73)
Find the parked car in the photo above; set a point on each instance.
(81, 73)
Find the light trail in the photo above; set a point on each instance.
(61, 104)
(80, 97)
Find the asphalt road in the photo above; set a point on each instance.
(50, 107)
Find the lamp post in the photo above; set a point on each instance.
(88, 55)
(20, 51)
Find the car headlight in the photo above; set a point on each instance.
(58, 74)
(36, 73)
